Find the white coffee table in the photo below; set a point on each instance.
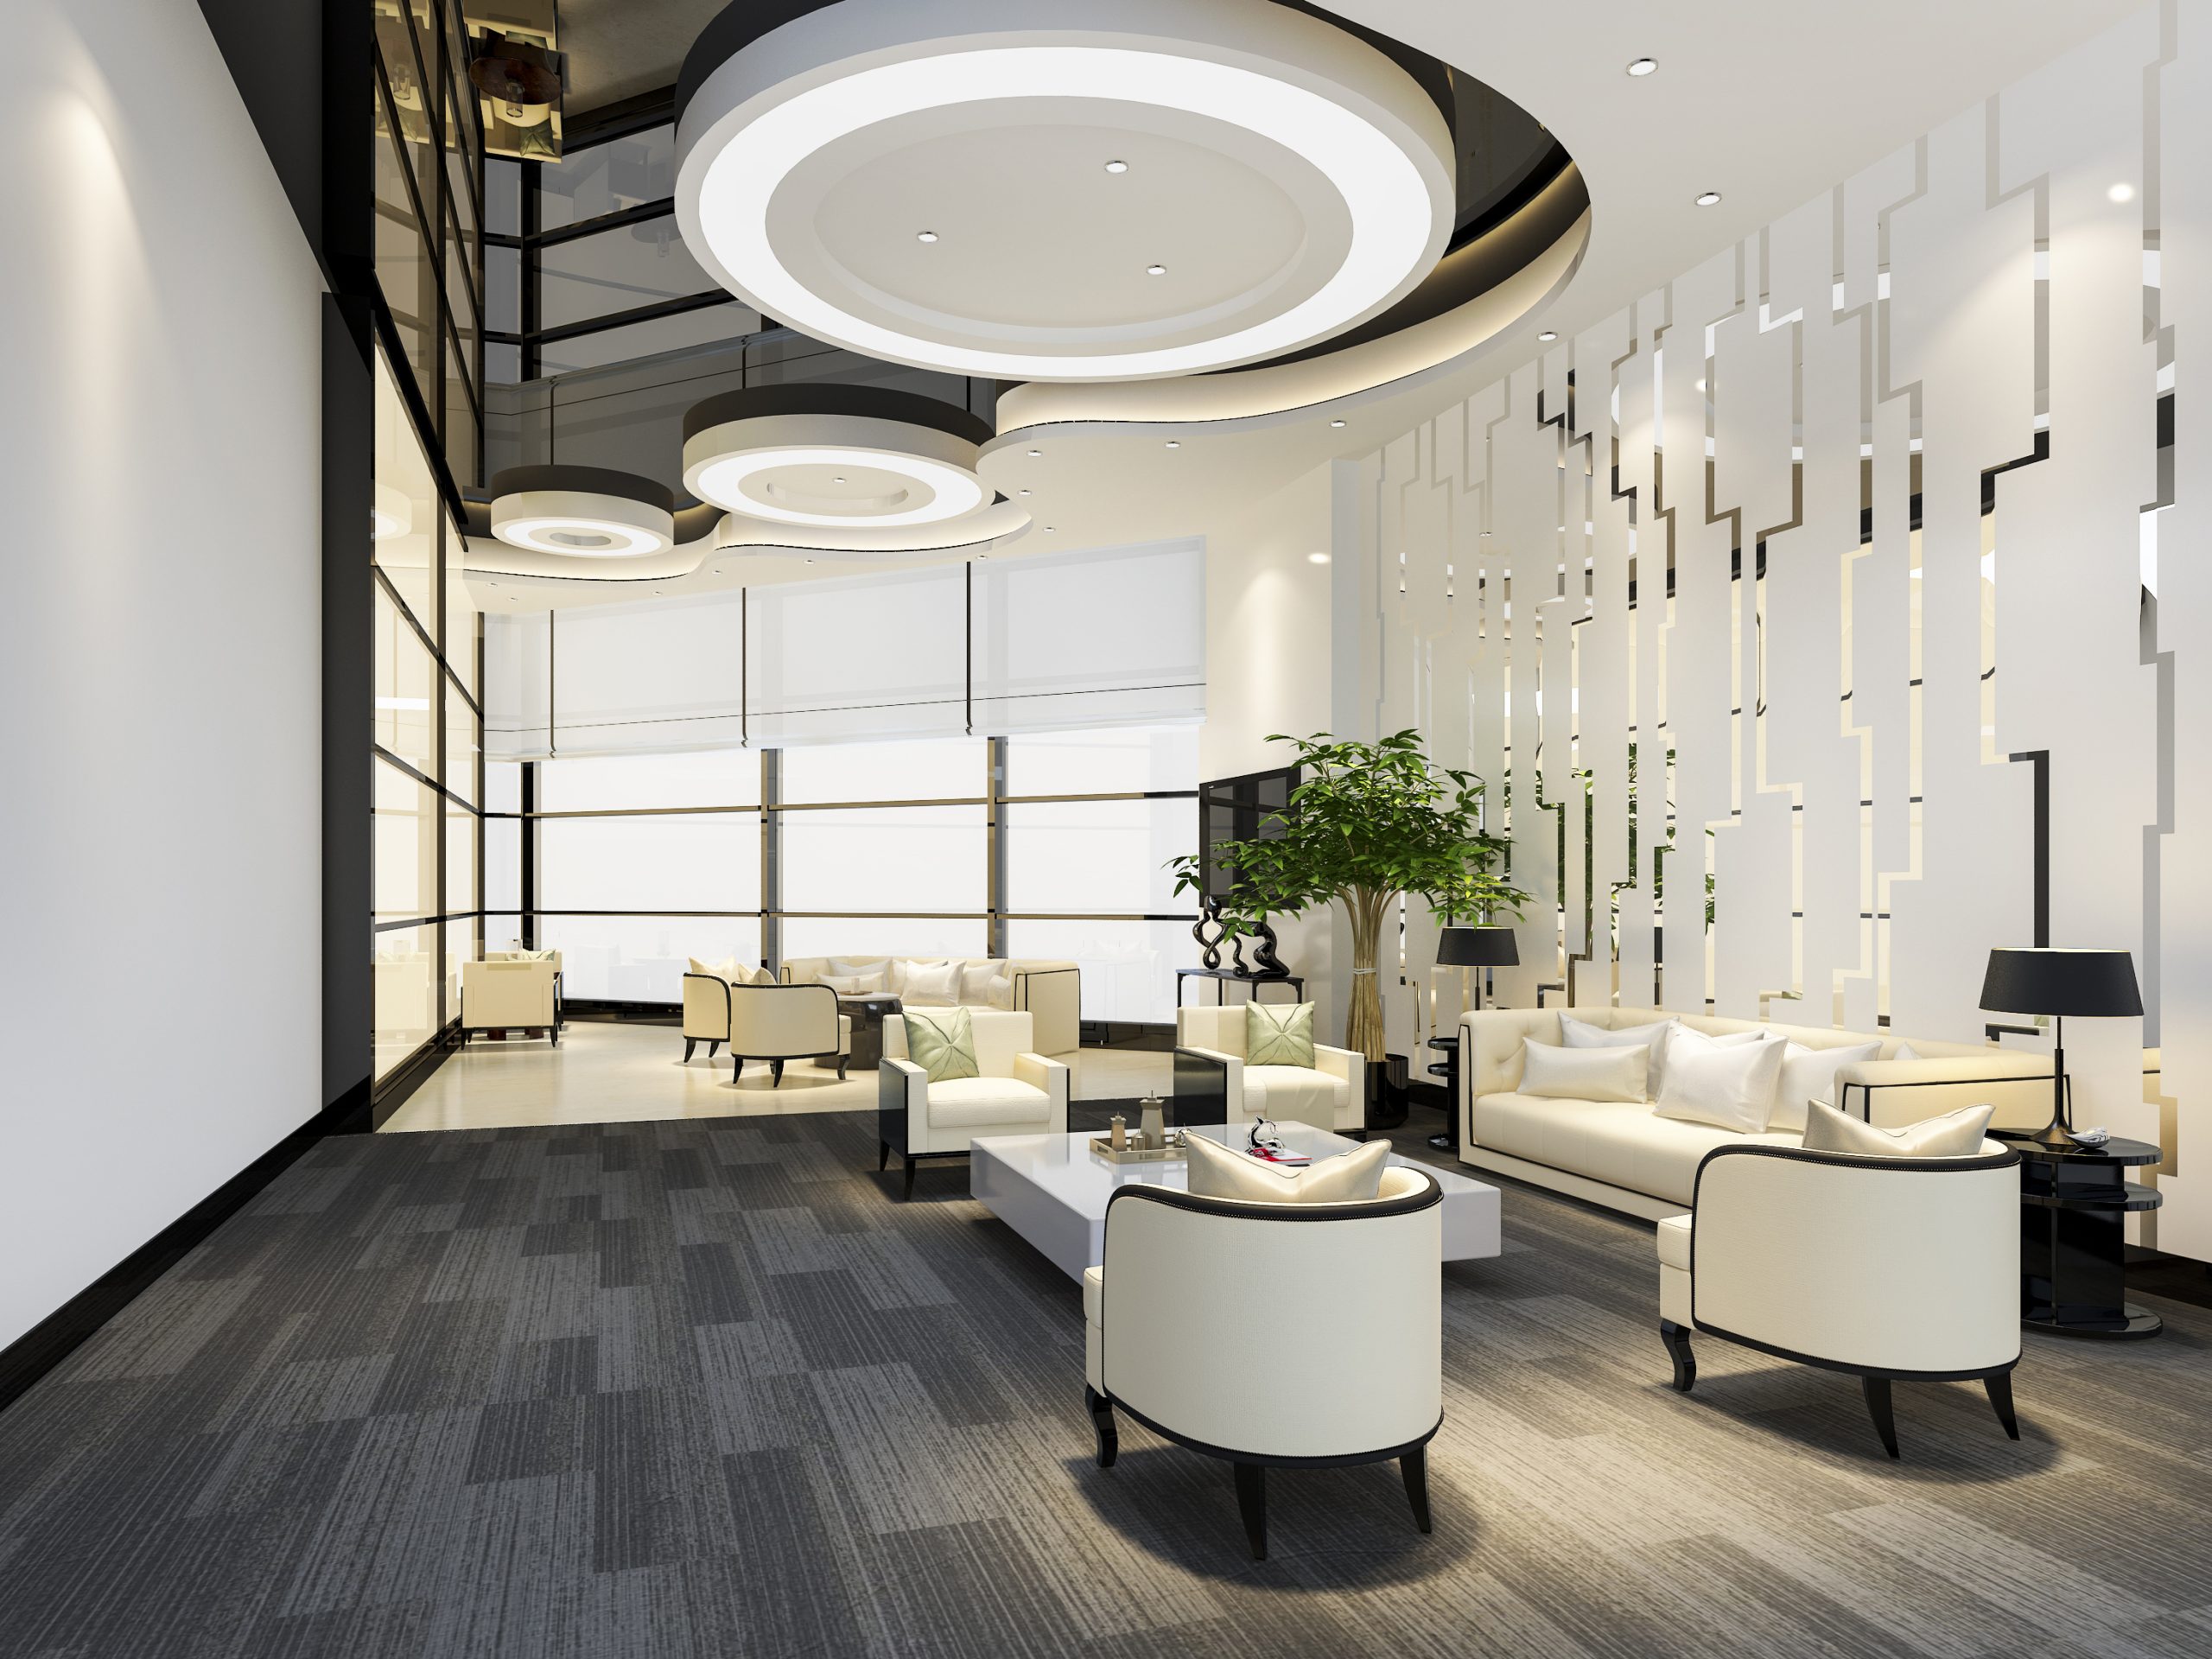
(1053, 1190)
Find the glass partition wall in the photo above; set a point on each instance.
(1038, 846)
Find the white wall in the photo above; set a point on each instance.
(1925, 318)
(160, 861)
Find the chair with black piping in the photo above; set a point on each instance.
(1887, 1268)
(1188, 1333)
(775, 1023)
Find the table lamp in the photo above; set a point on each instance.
(2094, 984)
(1477, 947)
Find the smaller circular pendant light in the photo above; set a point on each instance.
(830, 457)
(583, 511)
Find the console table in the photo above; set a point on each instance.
(2075, 1202)
(1224, 977)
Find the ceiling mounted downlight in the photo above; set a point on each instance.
(842, 466)
(588, 512)
(1288, 179)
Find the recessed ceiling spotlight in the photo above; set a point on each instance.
(1709, 199)
(836, 481)
(1025, 492)
(1643, 67)
(1174, 443)
(1335, 423)
(1048, 530)
(1155, 270)
(927, 236)
(1036, 452)
(1117, 166)
(1548, 335)
(1316, 558)
(2121, 192)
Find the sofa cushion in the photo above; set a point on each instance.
(981, 1102)
(942, 1043)
(931, 985)
(1297, 1092)
(1955, 1134)
(1808, 1074)
(1621, 1144)
(1223, 1172)
(1711, 1082)
(1674, 1241)
(1278, 1033)
(866, 978)
(1652, 1038)
(1615, 1072)
(986, 984)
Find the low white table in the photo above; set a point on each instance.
(1053, 1190)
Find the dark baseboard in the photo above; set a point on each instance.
(625, 1014)
(47, 1344)
(2182, 1278)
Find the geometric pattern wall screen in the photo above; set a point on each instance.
(1805, 615)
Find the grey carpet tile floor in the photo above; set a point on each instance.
(707, 1388)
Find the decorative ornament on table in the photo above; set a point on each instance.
(1265, 963)
(1263, 1143)
(1153, 1115)
(1209, 941)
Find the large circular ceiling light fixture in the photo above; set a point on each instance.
(835, 460)
(1288, 179)
(583, 513)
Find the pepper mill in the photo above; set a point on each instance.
(1117, 1134)
(1155, 1122)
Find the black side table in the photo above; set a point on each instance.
(2074, 1205)
(1448, 1069)
(1223, 978)
(868, 1013)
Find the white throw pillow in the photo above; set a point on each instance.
(1905, 1052)
(976, 979)
(869, 978)
(1580, 1033)
(844, 984)
(1808, 1074)
(931, 985)
(1220, 1172)
(729, 970)
(1730, 1084)
(1955, 1134)
(1690, 1037)
(1616, 1073)
(897, 970)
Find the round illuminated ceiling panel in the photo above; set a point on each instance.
(583, 513)
(1059, 189)
(836, 458)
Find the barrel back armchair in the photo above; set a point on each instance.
(1182, 1333)
(771, 1022)
(1887, 1268)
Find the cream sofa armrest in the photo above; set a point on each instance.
(1490, 1046)
(902, 1092)
(844, 1034)
(1895, 1093)
(706, 1007)
(1202, 1073)
(1053, 997)
(1350, 1064)
(1040, 1071)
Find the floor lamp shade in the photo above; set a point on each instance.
(2093, 984)
(1477, 947)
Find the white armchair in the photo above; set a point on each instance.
(1180, 1333)
(510, 995)
(1214, 1084)
(1017, 1092)
(773, 1023)
(1883, 1267)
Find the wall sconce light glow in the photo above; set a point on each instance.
(2121, 192)
(1709, 199)
(1643, 67)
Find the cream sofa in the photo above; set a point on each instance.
(1214, 1084)
(1050, 993)
(508, 995)
(1626, 1157)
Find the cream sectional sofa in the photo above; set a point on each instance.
(1623, 1155)
(1050, 993)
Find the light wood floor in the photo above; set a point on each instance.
(606, 1073)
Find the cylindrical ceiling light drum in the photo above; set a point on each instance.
(583, 511)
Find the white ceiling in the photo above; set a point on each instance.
(1770, 102)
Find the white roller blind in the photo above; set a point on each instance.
(1107, 638)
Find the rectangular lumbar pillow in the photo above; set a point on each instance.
(1728, 1084)
(932, 984)
(1808, 1074)
(1616, 1073)
(1220, 1172)
(942, 1043)
(1955, 1134)
(1278, 1033)
(1580, 1033)
(1689, 1038)
(982, 982)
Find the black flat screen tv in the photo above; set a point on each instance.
(1249, 808)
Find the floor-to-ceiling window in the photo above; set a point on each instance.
(1040, 846)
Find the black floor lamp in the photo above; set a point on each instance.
(1464, 947)
(2094, 984)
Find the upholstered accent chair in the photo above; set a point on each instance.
(1887, 1268)
(510, 995)
(1015, 1092)
(1214, 1084)
(773, 1023)
(1187, 1331)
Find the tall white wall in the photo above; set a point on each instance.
(1843, 721)
(160, 759)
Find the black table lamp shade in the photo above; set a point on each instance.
(1477, 947)
(2095, 984)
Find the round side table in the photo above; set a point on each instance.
(2075, 1202)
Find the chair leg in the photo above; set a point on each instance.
(1999, 1388)
(690, 1043)
(776, 1074)
(1678, 1348)
(1414, 1467)
(736, 1065)
(843, 1060)
(1252, 1504)
(1878, 1407)
(882, 1155)
(909, 1192)
(713, 1043)
(1102, 1426)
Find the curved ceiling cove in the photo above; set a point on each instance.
(855, 470)
(1063, 190)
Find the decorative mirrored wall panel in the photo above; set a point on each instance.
(1799, 616)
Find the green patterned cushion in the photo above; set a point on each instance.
(942, 1041)
(1278, 1033)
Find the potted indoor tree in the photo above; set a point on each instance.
(1367, 822)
